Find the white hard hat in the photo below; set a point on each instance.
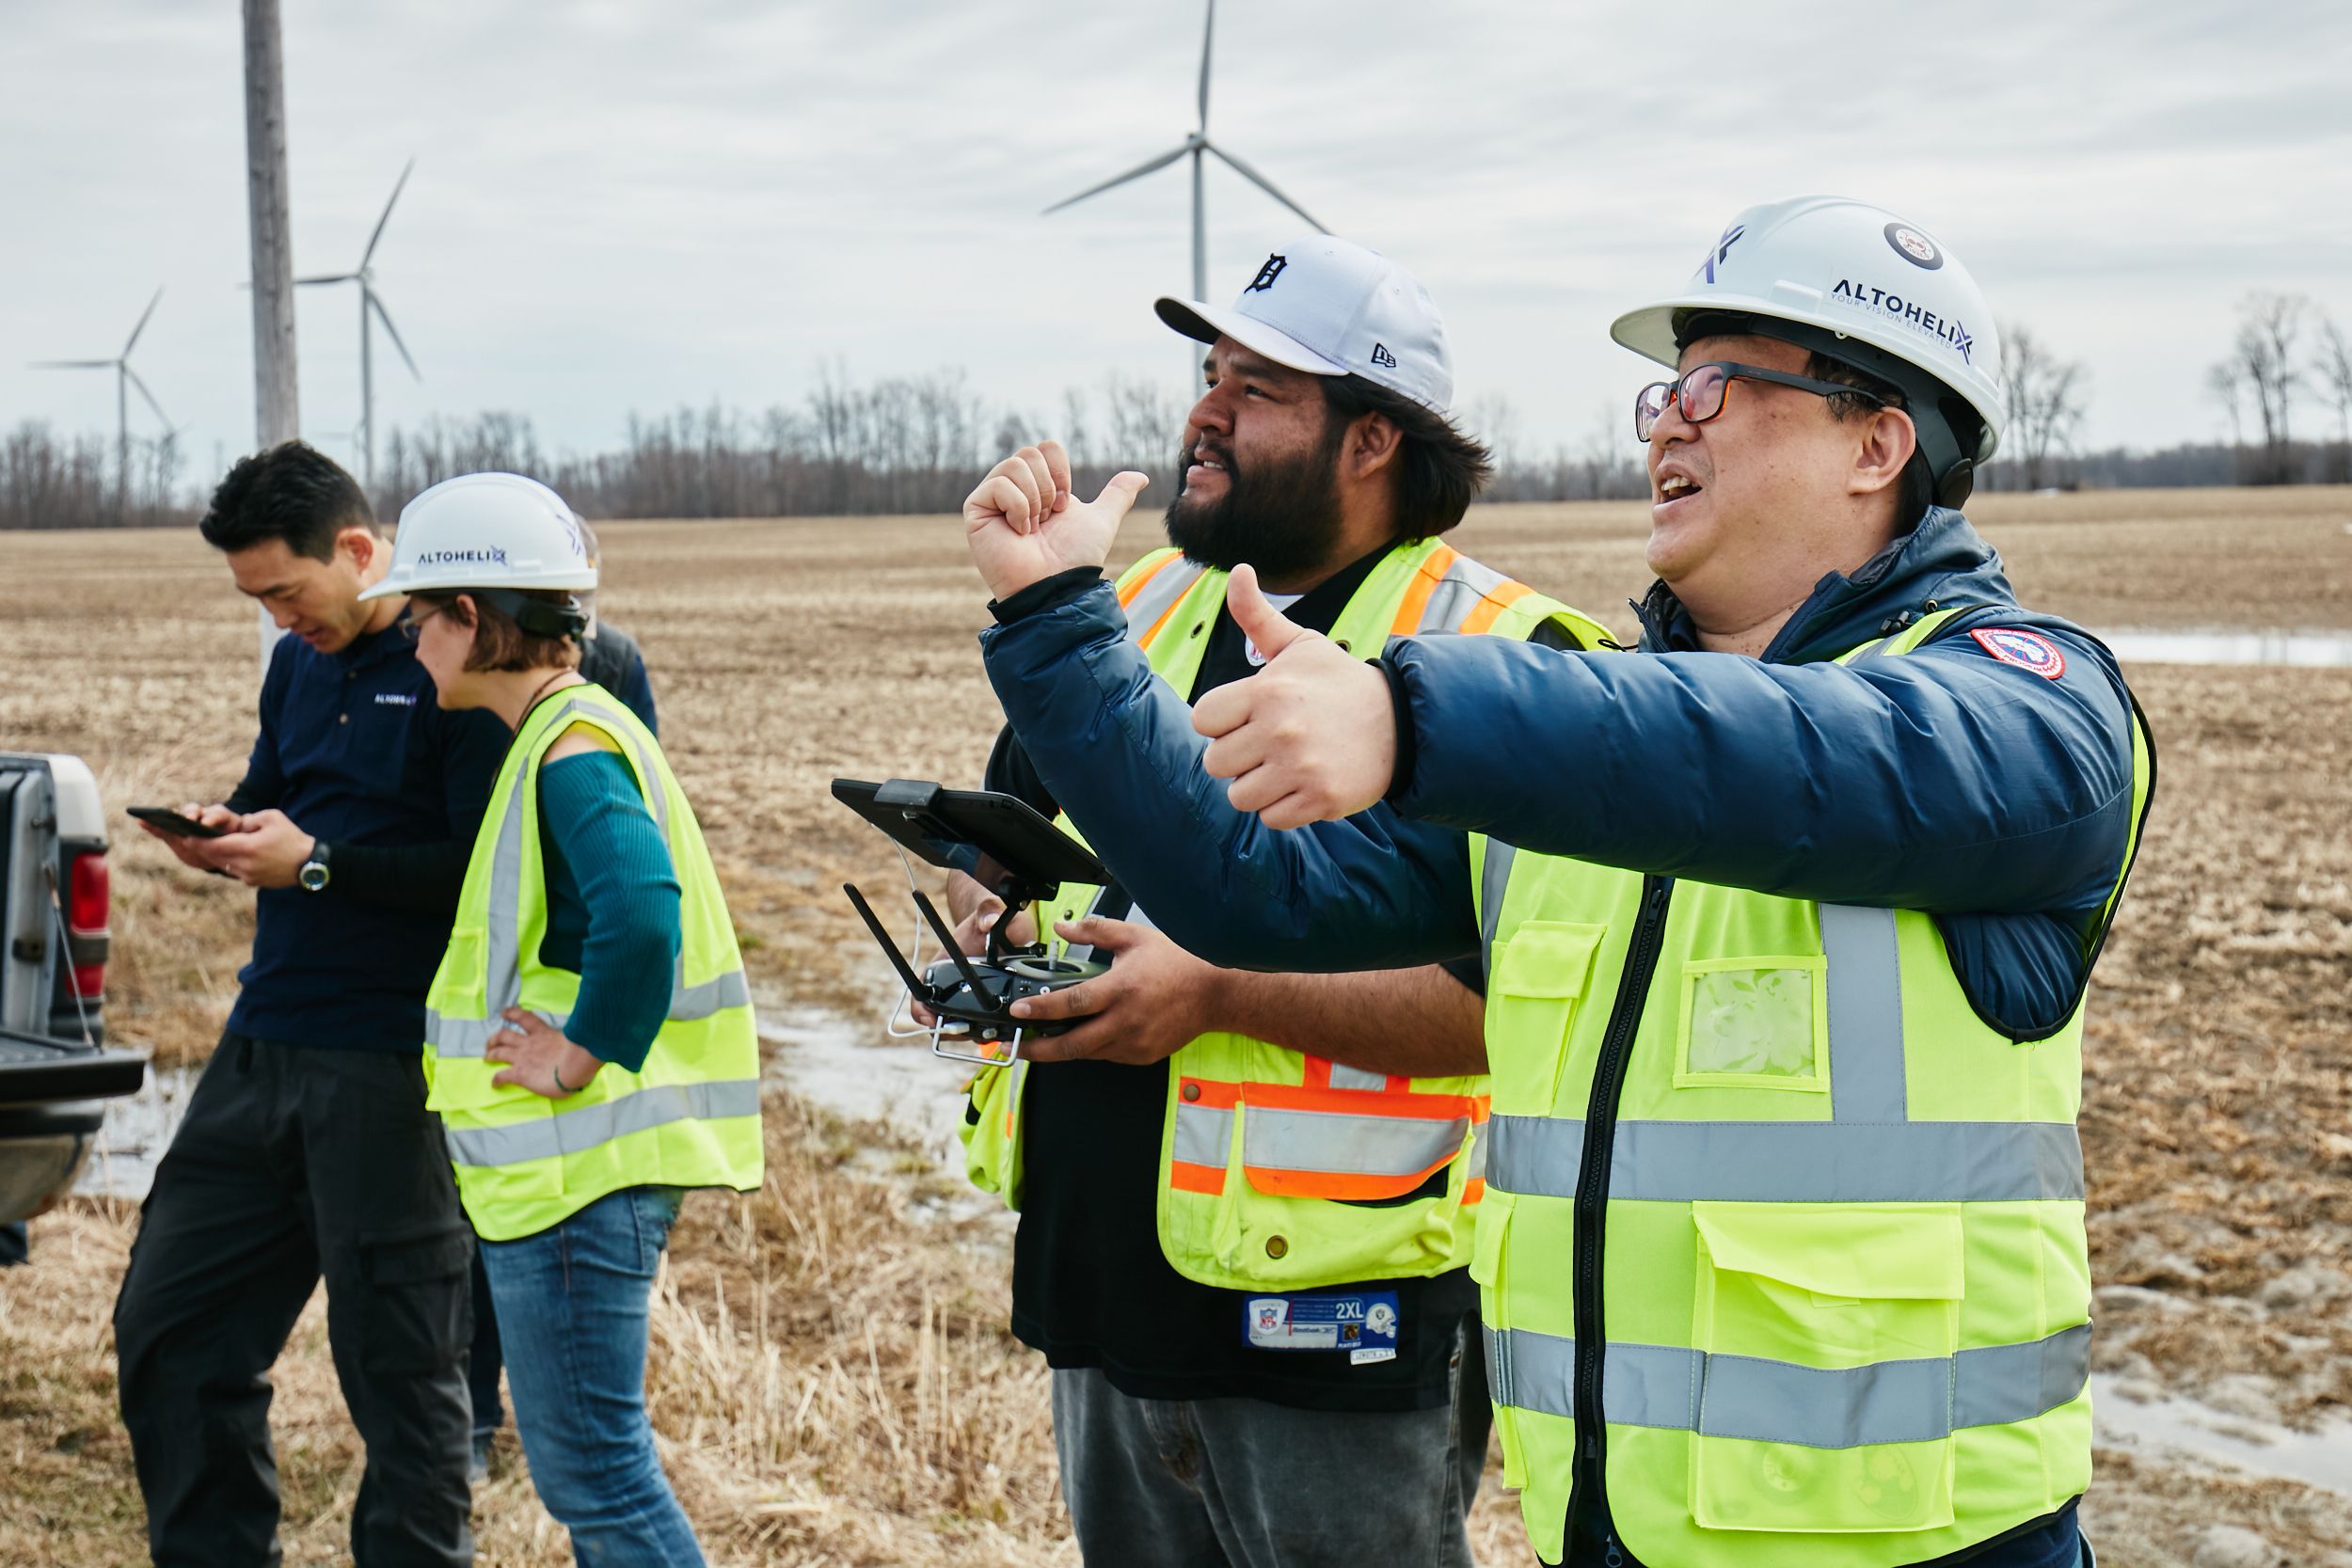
(486, 531)
(1865, 287)
(1330, 307)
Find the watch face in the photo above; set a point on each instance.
(312, 876)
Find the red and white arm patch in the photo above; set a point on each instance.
(2025, 649)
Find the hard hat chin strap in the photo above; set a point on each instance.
(536, 616)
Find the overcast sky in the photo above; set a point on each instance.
(628, 206)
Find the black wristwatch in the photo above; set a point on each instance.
(314, 875)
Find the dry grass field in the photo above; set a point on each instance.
(832, 1373)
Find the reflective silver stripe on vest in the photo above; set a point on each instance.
(1333, 1141)
(1329, 1141)
(1798, 1161)
(1491, 883)
(1476, 1169)
(1156, 597)
(471, 1037)
(1204, 1134)
(1780, 1401)
(578, 1131)
(1465, 583)
(1866, 1014)
(1345, 1077)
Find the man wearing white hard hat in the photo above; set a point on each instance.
(1246, 1199)
(588, 1037)
(306, 1151)
(1786, 921)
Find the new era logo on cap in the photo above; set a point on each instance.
(1340, 309)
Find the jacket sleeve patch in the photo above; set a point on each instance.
(2023, 649)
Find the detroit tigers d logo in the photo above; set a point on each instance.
(1267, 274)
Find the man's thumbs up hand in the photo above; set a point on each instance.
(1308, 738)
(1024, 525)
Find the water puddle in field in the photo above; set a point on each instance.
(851, 1067)
(138, 1129)
(2159, 1424)
(2308, 649)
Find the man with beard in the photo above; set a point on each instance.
(1245, 1198)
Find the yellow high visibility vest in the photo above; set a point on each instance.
(1843, 1289)
(1261, 1146)
(690, 1118)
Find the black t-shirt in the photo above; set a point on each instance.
(1091, 1287)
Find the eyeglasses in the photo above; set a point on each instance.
(411, 624)
(1700, 391)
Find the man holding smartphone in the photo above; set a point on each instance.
(307, 1149)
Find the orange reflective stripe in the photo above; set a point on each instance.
(1185, 1177)
(1482, 615)
(1472, 1190)
(1359, 1102)
(1127, 594)
(1337, 1185)
(1424, 584)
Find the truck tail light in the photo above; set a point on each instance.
(88, 893)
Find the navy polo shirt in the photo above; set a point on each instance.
(355, 750)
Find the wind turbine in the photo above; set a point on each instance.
(126, 378)
(1195, 146)
(369, 301)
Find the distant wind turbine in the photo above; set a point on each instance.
(126, 378)
(372, 302)
(1196, 145)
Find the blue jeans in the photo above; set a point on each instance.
(571, 1307)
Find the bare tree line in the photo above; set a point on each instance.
(49, 480)
(914, 444)
(2286, 347)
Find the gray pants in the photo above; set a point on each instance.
(1241, 1483)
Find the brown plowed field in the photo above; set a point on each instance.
(832, 1373)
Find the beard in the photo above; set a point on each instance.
(1280, 515)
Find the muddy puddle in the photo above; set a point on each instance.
(2128, 1413)
(852, 1068)
(2308, 649)
(138, 1129)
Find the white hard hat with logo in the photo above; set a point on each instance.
(1867, 288)
(486, 531)
(1329, 305)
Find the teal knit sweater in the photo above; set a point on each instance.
(612, 905)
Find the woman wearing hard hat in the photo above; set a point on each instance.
(590, 1049)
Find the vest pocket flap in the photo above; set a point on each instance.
(1884, 1252)
(1545, 958)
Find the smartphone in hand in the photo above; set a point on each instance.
(165, 819)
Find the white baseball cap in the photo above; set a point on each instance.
(1329, 307)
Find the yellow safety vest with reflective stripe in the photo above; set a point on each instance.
(690, 1118)
(1259, 1140)
(1845, 1291)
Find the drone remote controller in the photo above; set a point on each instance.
(1022, 857)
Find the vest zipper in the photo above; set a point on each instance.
(1587, 1493)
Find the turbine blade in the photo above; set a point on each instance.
(147, 395)
(1266, 185)
(71, 364)
(1138, 172)
(1208, 32)
(337, 278)
(142, 326)
(385, 317)
(388, 214)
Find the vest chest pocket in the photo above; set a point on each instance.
(1755, 1024)
(1826, 1389)
(1541, 975)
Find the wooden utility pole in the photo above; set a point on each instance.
(277, 413)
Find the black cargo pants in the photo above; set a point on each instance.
(295, 1163)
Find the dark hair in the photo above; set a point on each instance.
(291, 492)
(1440, 468)
(499, 643)
(1916, 489)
